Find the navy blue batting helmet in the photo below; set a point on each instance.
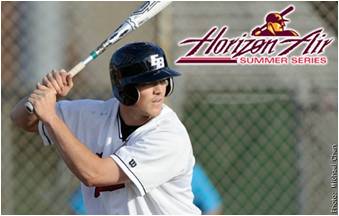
(138, 63)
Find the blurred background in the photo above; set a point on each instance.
(263, 134)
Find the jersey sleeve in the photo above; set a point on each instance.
(76, 115)
(46, 138)
(153, 159)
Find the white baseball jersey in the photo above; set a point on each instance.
(157, 157)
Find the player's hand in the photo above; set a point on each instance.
(60, 81)
(43, 100)
(256, 31)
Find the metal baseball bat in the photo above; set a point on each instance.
(146, 11)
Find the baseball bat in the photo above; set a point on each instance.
(146, 11)
(288, 10)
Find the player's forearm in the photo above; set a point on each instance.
(22, 118)
(87, 166)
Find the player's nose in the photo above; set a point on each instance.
(157, 89)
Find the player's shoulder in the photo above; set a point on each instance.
(73, 110)
(84, 105)
(293, 33)
(166, 130)
(169, 121)
(168, 117)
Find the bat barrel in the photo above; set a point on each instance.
(288, 10)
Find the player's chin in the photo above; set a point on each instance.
(155, 109)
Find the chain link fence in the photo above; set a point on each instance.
(264, 138)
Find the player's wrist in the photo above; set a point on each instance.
(51, 119)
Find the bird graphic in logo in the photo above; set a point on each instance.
(275, 25)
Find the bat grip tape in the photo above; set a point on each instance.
(77, 68)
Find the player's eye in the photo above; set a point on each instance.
(164, 82)
(152, 84)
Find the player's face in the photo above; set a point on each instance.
(278, 26)
(152, 97)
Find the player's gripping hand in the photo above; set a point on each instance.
(61, 81)
(43, 100)
(256, 31)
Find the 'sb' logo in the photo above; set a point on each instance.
(157, 62)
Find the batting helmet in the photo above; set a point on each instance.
(275, 18)
(138, 63)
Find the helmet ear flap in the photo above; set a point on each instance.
(170, 87)
(129, 95)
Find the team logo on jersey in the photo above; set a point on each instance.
(132, 163)
(157, 62)
(271, 43)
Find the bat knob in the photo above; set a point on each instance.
(29, 107)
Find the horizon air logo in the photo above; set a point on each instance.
(271, 43)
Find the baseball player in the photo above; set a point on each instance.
(275, 26)
(131, 153)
